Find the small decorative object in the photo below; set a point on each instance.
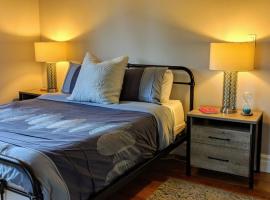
(247, 104)
(209, 109)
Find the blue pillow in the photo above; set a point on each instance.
(131, 84)
(71, 78)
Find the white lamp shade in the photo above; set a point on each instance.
(50, 52)
(232, 56)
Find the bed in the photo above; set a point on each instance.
(57, 149)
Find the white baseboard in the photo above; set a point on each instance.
(265, 163)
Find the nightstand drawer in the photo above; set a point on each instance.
(221, 137)
(221, 159)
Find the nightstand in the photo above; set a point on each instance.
(229, 143)
(31, 94)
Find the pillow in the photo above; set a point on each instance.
(131, 84)
(71, 78)
(72, 75)
(156, 85)
(100, 83)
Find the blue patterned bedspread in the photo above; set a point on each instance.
(75, 150)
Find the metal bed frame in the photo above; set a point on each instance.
(36, 193)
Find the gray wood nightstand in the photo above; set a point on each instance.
(31, 94)
(229, 143)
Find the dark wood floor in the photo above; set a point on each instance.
(144, 185)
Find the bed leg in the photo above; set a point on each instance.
(188, 166)
(2, 188)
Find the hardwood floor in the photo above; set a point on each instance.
(145, 184)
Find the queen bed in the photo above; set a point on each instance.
(55, 148)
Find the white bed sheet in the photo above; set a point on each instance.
(177, 110)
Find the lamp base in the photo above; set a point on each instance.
(51, 78)
(52, 90)
(229, 93)
(227, 110)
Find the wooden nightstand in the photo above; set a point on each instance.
(31, 94)
(229, 143)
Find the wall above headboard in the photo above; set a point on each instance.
(175, 32)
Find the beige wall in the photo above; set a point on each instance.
(175, 32)
(19, 28)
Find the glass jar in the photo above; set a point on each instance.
(247, 99)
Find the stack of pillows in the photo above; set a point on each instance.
(110, 81)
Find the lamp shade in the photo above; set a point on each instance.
(50, 52)
(232, 56)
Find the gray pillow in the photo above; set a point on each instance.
(131, 84)
(100, 83)
(71, 78)
(156, 85)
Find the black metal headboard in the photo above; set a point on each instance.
(191, 82)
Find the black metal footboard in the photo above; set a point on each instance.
(36, 193)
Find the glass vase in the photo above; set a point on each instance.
(247, 99)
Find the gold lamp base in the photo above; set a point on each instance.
(52, 90)
(229, 93)
(227, 110)
(51, 78)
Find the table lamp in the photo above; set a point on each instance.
(231, 58)
(51, 53)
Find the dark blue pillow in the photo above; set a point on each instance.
(71, 78)
(131, 84)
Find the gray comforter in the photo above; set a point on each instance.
(75, 150)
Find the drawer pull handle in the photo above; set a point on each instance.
(218, 159)
(216, 138)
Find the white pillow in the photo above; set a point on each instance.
(156, 85)
(93, 58)
(100, 82)
(166, 87)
